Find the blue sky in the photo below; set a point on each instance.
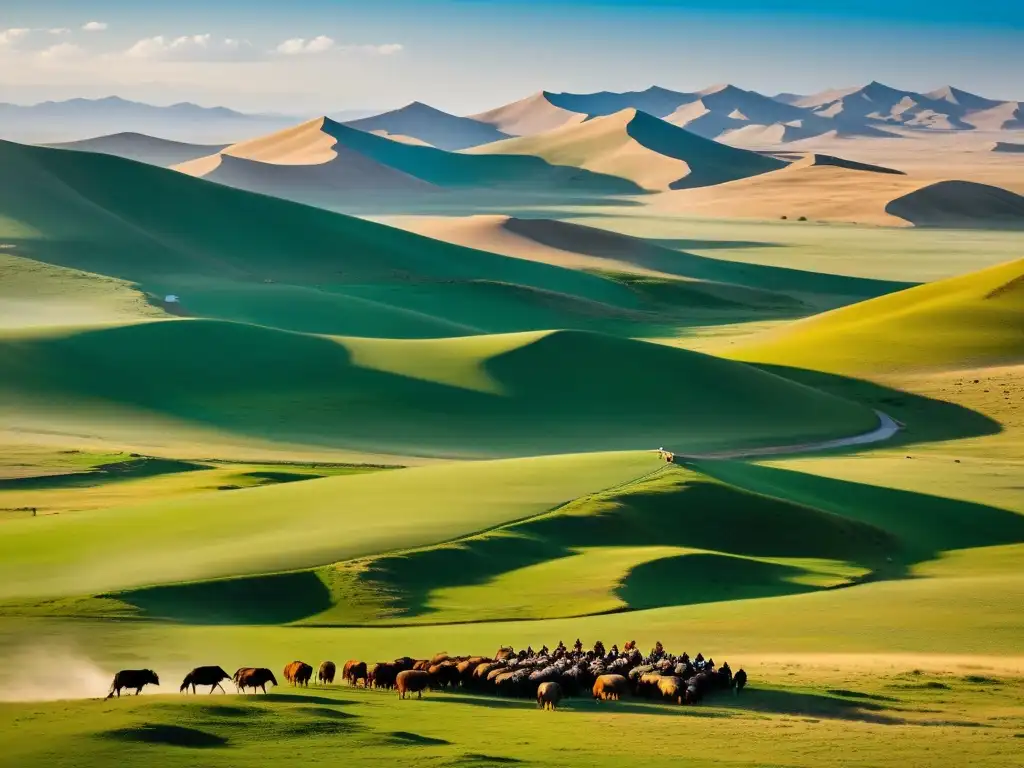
(466, 55)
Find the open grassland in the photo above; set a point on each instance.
(871, 719)
(215, 479)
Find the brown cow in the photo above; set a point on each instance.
(610, 687)
(548, 695)
(504, 653)
(437, 658)
(412, 681)
(298, 673)
(672, 688)
(132, 678)
(253, 677)
(326, 672)
(354, 671)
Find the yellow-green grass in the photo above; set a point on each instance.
(293, 525)
(36, 294)
(968, 321)
(872, 253)
(98, 481)
(677, 537)
(524, 394)
(871, 719)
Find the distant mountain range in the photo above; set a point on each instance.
(77, 119)
(724, 112)
(739, 116)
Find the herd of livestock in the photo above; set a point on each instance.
(545, 675)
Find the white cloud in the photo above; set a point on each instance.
(61, 52)
(190, 48)
(59, 31)
(387, 49)
(14, 35)
(95, 26)
(298, 46)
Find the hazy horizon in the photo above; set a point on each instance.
(315, 56)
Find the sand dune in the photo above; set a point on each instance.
(640, 148)
(534, 114)
(143, 148)
(712, 113)
(830, 192)
(1007, 146)
(430, 126)
(305, 163)
(319, 160)
(808, 159)
(945, 109)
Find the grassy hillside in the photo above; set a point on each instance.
(884, 718)
(519, 394)
(967, 321)
(640, 148)
(241, 256)
(291, 525)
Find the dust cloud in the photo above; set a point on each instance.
(51, 674)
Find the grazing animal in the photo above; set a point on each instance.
(672, 688)
(354, 671)
(504, 653)
(327, 671)
(210, 676)
(610, 687)
(739, 681)
(298, 673)
(412, 681)
(253, 677)
(548, 695)
(406, 662)
(132, 678)
(383, 675)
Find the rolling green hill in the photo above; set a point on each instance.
(519, 394)
(234, 255)
(967, 321)
(293, 525)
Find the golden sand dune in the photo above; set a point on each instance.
(545, 240)
(534, 114)
(830, 192)
(305, 163)
(640, 148)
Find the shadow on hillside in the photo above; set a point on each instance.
(707, 578)
(272, 599)
(803, 704)
(582, 704)
(924, 525)
(166, 735)
(131, 469)
(925, 419)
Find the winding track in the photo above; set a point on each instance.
(887, 427)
